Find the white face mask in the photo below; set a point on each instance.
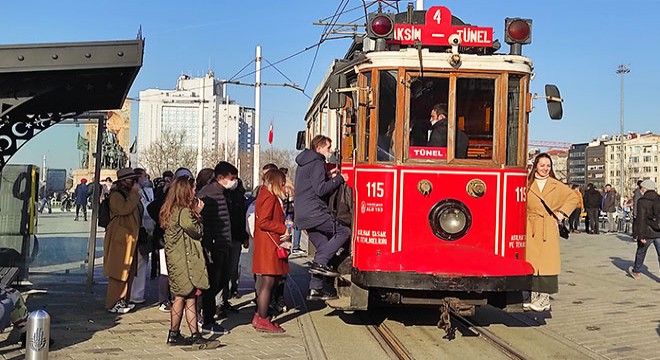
(328, 156)
(230, 185)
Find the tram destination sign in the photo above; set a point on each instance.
(437, 30)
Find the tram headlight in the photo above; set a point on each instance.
(450, 219)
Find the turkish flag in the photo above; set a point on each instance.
(270, 133)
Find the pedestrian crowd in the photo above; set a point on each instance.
(192, 231)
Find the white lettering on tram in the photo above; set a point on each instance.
(408, 34)
(428, 152)
(474, 36)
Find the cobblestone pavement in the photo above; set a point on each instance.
(599, 307)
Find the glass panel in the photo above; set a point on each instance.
(475, 99)
(386, 115)
(512, 120)
(349, 119)
(425, 93)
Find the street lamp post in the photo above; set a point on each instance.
(622, 70)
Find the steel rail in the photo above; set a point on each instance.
(385, 336)
(489, 337)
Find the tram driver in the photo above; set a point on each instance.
(437, 134)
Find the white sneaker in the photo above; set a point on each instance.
(541, 303)
(120, 308)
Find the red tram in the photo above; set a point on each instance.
(433, 225)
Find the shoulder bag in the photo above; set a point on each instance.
(563, 230)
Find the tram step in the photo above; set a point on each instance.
(342, 303)
(345, 277)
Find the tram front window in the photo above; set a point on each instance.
(475, 99)
(429, 97)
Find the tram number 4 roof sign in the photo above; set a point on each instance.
(437, 30)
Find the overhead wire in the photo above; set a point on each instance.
(241, 70)
(324, 35)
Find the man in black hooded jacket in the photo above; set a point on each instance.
(647, 226)
(313, 187)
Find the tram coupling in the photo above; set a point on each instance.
(456, 306)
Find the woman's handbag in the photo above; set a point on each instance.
(282, 252)
(563, 230)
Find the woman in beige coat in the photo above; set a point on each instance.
(542, 230)
(120, 240)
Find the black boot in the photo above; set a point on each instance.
(175, 338)
(197, 342)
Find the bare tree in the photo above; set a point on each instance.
(212, 158)
(283, 158)
(168, 153)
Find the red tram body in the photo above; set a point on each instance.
(429, 223)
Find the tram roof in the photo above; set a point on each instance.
(439, 61)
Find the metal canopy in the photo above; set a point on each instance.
(42, 84)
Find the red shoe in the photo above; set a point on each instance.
(265, 325)
(255, 319)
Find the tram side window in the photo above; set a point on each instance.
(475, 99)
(367, 122)
(386, 115)
(513, 120)
(425, 94)
(349, 119)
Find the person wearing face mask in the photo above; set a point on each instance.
(120, 241)
(313, 186)
(542, 247)
(234, 192)
(216, 242)
(437, 134)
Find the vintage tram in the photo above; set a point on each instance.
(432, 225)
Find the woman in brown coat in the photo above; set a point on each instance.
(269, 233)
(542, 230)
(186, 267)
(120, 240)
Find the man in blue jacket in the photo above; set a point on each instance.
(313, 187)
(80, 194)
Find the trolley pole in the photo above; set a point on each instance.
(622, 70)
(256, 171)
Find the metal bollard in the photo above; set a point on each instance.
(38, 336)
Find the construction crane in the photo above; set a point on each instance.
(549, 144)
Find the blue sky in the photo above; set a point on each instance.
(575, 44)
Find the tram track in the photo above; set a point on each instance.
(389, 341)
(488, 337)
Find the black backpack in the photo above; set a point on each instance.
(104, 211)
(341, 205)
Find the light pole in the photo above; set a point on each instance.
(622, 70)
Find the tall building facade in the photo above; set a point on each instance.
(577, 164)
(179, 111)
(596, 163)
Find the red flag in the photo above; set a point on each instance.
(270, 133)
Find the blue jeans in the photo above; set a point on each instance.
(327, 238)
(296, 238)
(640, 255)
